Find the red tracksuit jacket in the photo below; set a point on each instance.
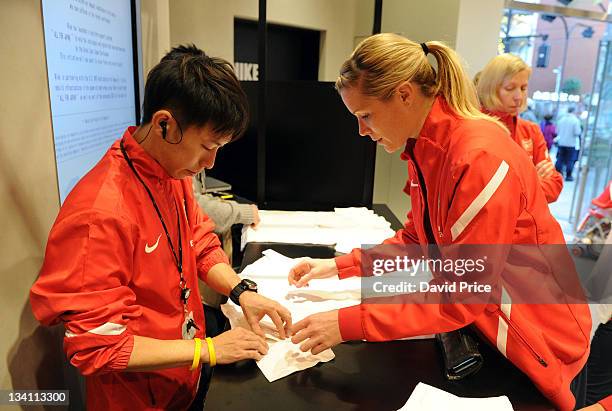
(529, 136)
(109, 274)
(479, 192)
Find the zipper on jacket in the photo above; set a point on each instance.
(537, 356)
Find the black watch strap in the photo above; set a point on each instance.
(242, 286)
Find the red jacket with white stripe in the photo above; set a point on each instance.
(109, 274)
(529, 136)
(478, 192)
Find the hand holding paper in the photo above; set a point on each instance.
(239, 344)
(312, 268)
(318, 332)
(283, 357)
(255, 307)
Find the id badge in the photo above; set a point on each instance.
(188, 330)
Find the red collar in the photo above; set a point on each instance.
(146, 165)
(436, 130)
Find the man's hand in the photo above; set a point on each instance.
(235, 345)
(255, 307)
(545, 169)
(312, 268)
(256, 219)
(318, 332)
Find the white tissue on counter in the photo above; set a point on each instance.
(428, 398)
(344, 228)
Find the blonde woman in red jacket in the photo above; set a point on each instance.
(502, 90)
(463, 190)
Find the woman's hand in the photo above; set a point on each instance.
(317, 332)
(545, 169)
(235, 345)
(310, 269)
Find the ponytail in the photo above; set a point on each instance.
(454, 84)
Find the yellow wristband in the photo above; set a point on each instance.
(196, 354)
(211, 352)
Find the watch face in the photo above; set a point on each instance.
(251, 285)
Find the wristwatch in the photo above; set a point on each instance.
(242, 286)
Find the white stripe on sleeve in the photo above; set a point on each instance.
(104, 329)
(480, 201)
(502, 336)
(506, 303)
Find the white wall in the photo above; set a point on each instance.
(155, 23)
(211, 26)
(422, 20)
(478, 32)
(364, 18)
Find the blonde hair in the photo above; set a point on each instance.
(380, 63)
(493, 75)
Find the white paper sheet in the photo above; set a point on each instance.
(346, 228)
(283, 357)
(428, 398)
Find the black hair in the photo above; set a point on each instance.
(198, 90)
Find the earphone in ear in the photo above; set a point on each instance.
(164, 125)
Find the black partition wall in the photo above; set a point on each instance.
(302, 150)
(315, 158)
(294, 52)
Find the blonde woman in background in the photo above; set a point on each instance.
(502, 90)
(463, 190)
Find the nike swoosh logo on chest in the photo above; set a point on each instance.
(149, 249)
